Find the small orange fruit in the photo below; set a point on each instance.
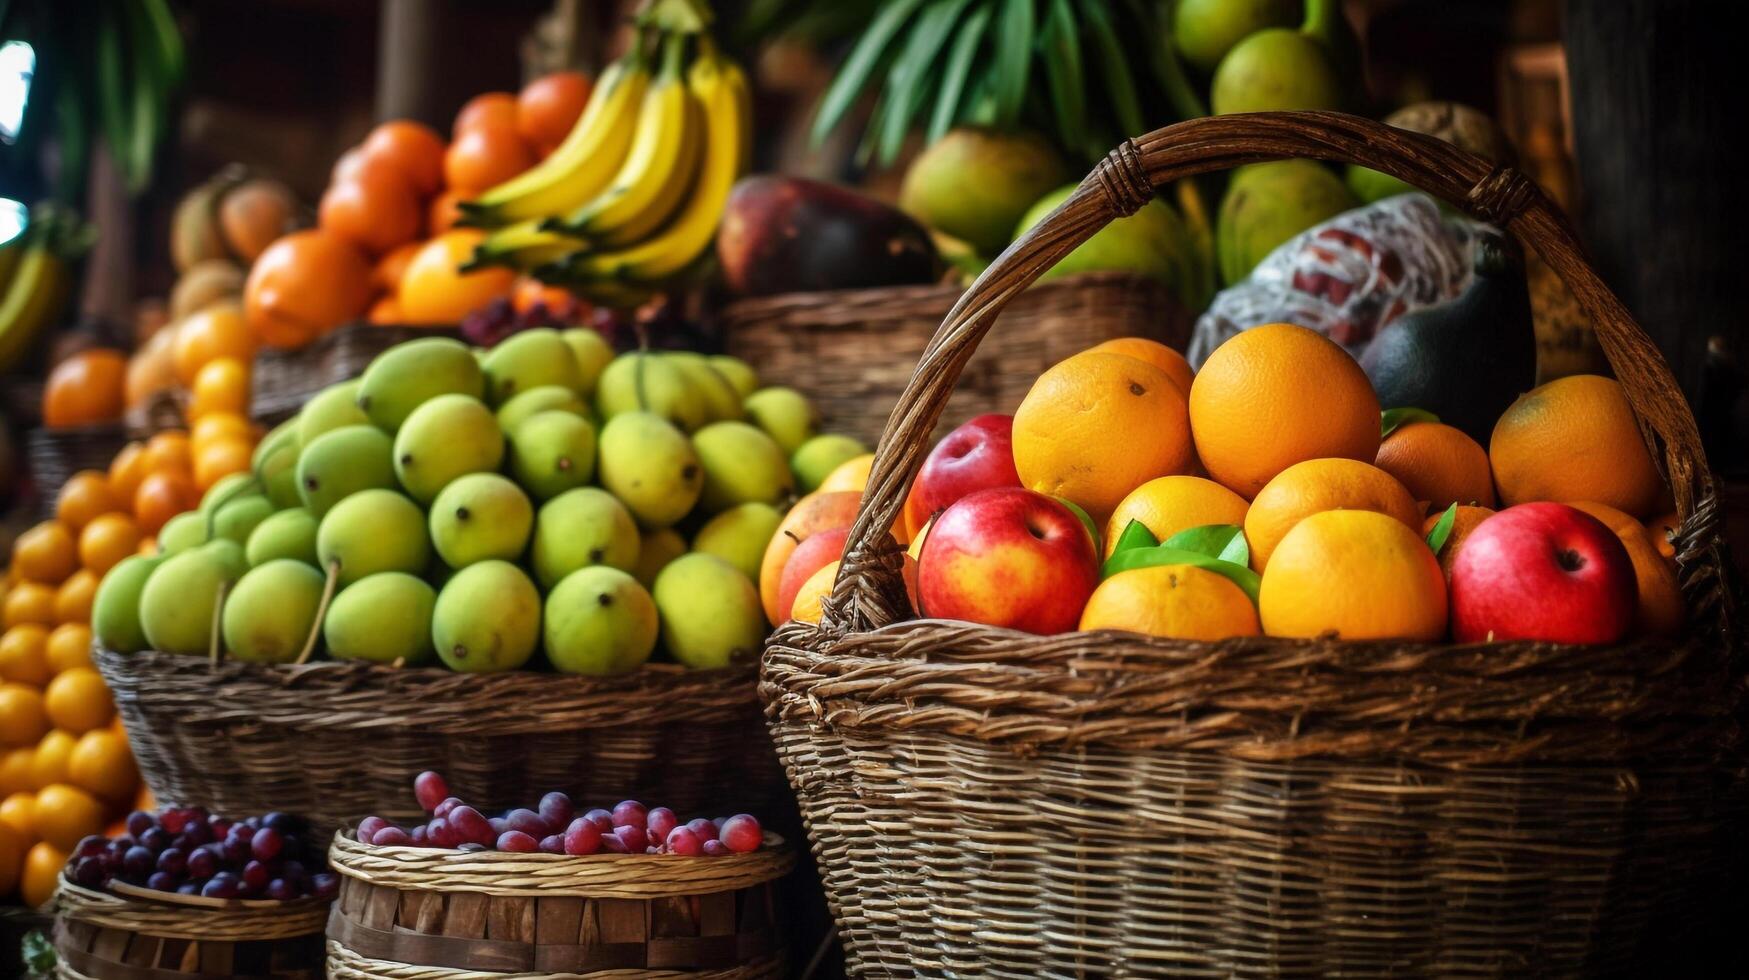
(1181, 602)
(15, 770)
(1356, 574)
(101, 764)
(162, 495)
(1277, 395)
(125, 472)
(549, 106)
(219, 330)
(73, 599)
(385, 312)
(1463, 522)
(28, 602)
(220, 459)
(41, 874)
(444, 212)
(305, 285)
(85, 495)
(108, 540)
(1663, 529)
(169, 451)
(63, 814)
(385, 276)
(214, 426)
(1169, 504)
(17, 810)
(221, 386)
(1661, 610)
(530, 291)
(1438, 464)
(1155, 353)
(86, 388)
(1574, 438)
(49, 765)
(852, 474)
(1095, 426)
(1318, 485)
(434, 291)
(377, 210)
(24, 655)
(45, 553)
(69, 646)
(78, 701)
(414, 148)
(488, 109)
(483, 158)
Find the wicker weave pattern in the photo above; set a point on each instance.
(106, 936)
(344, 964)
(282, 380)
(173, 920)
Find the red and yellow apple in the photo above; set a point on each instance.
(978, 455)
(1542, 571)
(812, 514)
(1008, 557)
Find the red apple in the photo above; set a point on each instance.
(1542, 571)
(814, 553)
(978, 455)
(1008, 557)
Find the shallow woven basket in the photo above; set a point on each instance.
(335, 741)
(851, 351)
(1108, 804)
(282, 380)
(54, 455)
(141, 935)
(412, 913)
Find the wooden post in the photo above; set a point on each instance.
(409, 56)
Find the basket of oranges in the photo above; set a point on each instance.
(1261, 729)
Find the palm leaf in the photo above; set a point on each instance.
(906, 90)
(1061, 46)
(1013, 62)
(860, 66)
(1120, 85)
(958, 69)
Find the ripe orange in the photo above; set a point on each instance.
(84, 496)
(69, 646)
(548, 107)
(1169, 504)
(162, 495)
(1663, 530)
(852, 474)
(376, 210)
(221, 386)
(1181, 602)
(73, 599)
(108, 540)
(1095, 426)
(444, 212)
(1277, 395)
(1318, 485)
(15, 771)
(488, 109)
(1155, 353)
(385, 276)
(24, 655)
(13, 847)
(16, 812)
(530, 291)
(413, 148)
(385, 312)
(220, 459)
(1356, 574)
(1438, 464)
(101, 764)
(78, 701)
(484, 157)
(169, 450)
(303, 286)
(1661, 610)
(23, 721)
(86, 388)
(45, 553)
(214, 426)
(433, 291)
(63, 814)
(1574, 439)
(219, 330)
(125, 473)
(1462, 524)
(28, 602)
(41, 874)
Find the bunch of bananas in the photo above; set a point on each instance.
(36, 279)
(630, 201)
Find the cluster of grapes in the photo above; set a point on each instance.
(499, 319)
(554, 827)
(191, 852)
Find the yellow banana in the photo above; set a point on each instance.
(522, 246)
(35, 297)
(657, 171)
(583, 163)
(719, 85)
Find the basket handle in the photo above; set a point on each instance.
(869, 591)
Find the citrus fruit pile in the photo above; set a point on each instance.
(1268, 494)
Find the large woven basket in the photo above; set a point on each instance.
(851, 350)
(282, 380)
(989, 802)
(336, 741)
(410, 913)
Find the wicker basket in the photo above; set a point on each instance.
(335, 741)
(56, 454)
(135, 934)
(282, 380)
(1113, 804)
(410, 913)
(851, 351)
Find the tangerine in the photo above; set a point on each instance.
(1438, 464)
(24, 655)
(303, 286)
(386, 311)
(78, 701)
(445, 211)
(169, 450)
(74, 598)
(125, 472)
(84, 496)
(41, 874)
(15, 812)
(488, 109)
(45, 553)
(69, 646)
(483, 158)
(1660, 611)
(15, 772)
(385, 276)
(434, 290)
(1155, 353)
(549, 106)
(1354, 574)
(162, 495)
(220, 459)
(413, 148)
(1168, 504)
(102, 764)
(1318, 485)
(221, 386)
(1181, 602)
(1574, 438)
(376, 210)
(108, 540)
(219, 330)
(1664, 528)
(28, 602)
(1463, 522)
(87, 388)
(214, 426)
(63, 814)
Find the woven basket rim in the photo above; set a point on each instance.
(172, 916)
(751, 307)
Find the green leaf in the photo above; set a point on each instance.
(959, 67)
(1163, 58)
(1209, 539)
(1441, 532)
(1392, 419)
(906, 89)
(1239, 575)
(1237, 551)
(860, 66)
(1061, 47)
(1013, 61)
(1120, 85)
(1135, 535)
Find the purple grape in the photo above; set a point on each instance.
(232, 851)
(213, 828)
(285, 823)
(553, 844)
(582, 837)
(173, 860)
(255, 875)
(281, 890)
(163, 881)
(293, 871)
(703, 829)
(325, 885)
(683, 841)
(633, 837)
(715, 848)
(527, 821)
(139, 822)
(266, 844)
(499, 824)
(430, 789)
(470, 826)
(88, 871)
(741, 833)
(201, 832)
(602, 820)
(156, 839)
(124, 842)
(203, 863)
(658, 823)
(556, 809)
(220, 886)
(176, 819)
(517, 841)
(138, 862)
(420, 837)
(90, 845)
(629, 813)
(442, 809)
(614, 845)
(440, 833)
(392, 837)
(188, 888)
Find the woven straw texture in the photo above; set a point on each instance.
(336, 741)
(113, 937)
(851, 351)
(1115, 805)
(282, 380)
(56, 454)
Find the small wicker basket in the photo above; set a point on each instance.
(57, 454)
(409, 913)
(136, 934)
(282, 380)
(1111, 804)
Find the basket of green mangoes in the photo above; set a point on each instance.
(530, 567)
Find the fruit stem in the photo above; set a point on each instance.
(1321, 18)
(321, 613)
(214, 647)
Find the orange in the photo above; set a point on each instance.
(548, 107)
(13, 847)
(1096, 426)
(413, 148)
(434, 291)
(86, 388)
(84, 496)
(28, 602)
(852, 474)
(45, 553)
(1439, 465)
(41, 874)
(1318, 485)
(219, 460)
(169, 450)
(49, 763)
(1574, 438)
(69, 646)
(102, 764)
(1356, 574)
(24, 655)
(1663, 529)
(221, 386)
(444, 212)
(1155, 353)
(22, 718)
(63, 814)
(1462, 524)
(1277, 395)
(15, 771)
(151, 369)
(484, 157)
(305, 285)
(530, 291)
(215, 426)
(385, 312)
(73, 599)
(1169, 504)
(488, 109)
(385, 276)
(16, 812)
(1661, 611)
(125, 473)
(219, 330)
(148, 545)
(1181, 602)
(108, 540)
(376, 209)
(78, 701)
(163, 495)
(348, 164)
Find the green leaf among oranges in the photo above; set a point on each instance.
(1219, 548)
(1441, 532)
(1392, 419)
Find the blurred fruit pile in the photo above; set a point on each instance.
(189, 851)
(475, 506)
